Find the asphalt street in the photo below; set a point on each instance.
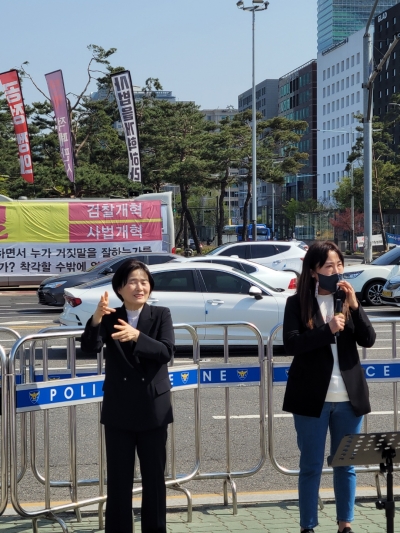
(20, 311)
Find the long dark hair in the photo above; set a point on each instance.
(315, 257)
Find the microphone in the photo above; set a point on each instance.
(340, 297)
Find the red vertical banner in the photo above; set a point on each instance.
(13, 94)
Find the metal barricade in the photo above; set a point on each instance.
(4, 436)
(234, 376)
(376, 370)
(71, 392)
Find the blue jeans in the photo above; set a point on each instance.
(311, 437)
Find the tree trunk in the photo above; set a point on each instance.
(181, 225)
(221, 217)
(245, 211)
(188, 215)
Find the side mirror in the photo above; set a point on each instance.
(107, 270)
(256, 292)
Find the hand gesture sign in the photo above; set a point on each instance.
(102, 309)
(125, 332)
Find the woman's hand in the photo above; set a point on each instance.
(102, 309)
(350, 294)
(337, 323)
(125, 332)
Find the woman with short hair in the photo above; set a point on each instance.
(136, 408)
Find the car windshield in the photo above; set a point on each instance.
(257, 281)
(388, 257)
(216, 250)
(98, 266)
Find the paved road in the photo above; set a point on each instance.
(21, 312)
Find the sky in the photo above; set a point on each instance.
(201, 50)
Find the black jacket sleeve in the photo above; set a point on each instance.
(160, 349)
(92, 340)
(364, 332)
(298, 339)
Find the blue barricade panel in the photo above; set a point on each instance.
(379, 370)
(60, 392)
(229, 375)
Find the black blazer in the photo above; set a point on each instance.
(136, 386)
(311, 369)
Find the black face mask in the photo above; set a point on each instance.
(329, 283)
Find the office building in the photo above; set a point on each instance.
(338, 19)
(340, 100)
(216, 115)
(297, 100)
(266, 99)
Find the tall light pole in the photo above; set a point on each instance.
(256, 5)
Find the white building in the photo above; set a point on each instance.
(340, 99)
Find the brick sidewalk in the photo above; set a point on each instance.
(271, 517)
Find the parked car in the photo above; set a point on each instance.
(368, 280)
(195, 292)
(277, 255)
(284, 281)
(390, 294)
(51, 290)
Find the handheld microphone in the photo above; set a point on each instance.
(340, 297)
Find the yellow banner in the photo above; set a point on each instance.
(34, 222)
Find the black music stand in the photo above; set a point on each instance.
(372, 449)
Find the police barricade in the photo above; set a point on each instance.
(4, 434)
(44, 389)
(227, 375)
(376, 370)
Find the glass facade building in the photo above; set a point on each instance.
(337, 19)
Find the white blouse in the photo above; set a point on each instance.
(337, 390)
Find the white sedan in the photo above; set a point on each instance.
(368, 280)
(278, 279)
(195, 293)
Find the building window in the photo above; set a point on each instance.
(333, 106)
(324, 178)
(342, 157)
(324, 75)
(358, 77)
(333, 177)
(324, 109)
(352, 98)
(352, 61)
(333, 88)
(328, 73)
(358, 58)
(324, 125)
(323, 92)
(328, 109)
(328, 161)
(329, 177)
(347, 119)
(342, 103)
(347, 101)
(324, 195)
(324, 144)
(358, 96)
(352, 79)
(347, 82)
(333, 70)
(347, 63)
(324, 161)
(333, 142)
(342, 121)
(342, 138)
(394, 20)
(328, 90)
(394, 88)
(342, 66)
(329, 143)
(394, 72)
(337, 86)
(342, 84)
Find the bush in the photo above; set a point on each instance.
(347, 252)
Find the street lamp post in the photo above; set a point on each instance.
(257, 5)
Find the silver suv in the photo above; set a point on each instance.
(274, 254)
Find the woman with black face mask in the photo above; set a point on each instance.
(326, 384)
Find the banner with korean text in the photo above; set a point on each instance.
(55, 83)
(60, 237)
(12, 90)
(125, 99)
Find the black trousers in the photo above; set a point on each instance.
(120, 452)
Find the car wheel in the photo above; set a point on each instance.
(372, 293)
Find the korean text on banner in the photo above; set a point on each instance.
(55, 83)
(57, 238)
(123, 92)
(13, 94)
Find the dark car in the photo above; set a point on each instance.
(51, 290)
